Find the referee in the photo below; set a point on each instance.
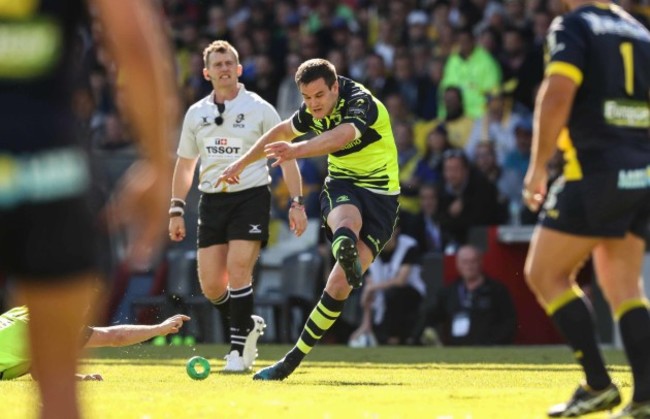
(233, 219)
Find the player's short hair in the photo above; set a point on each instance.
(218, 46)
(314, 69)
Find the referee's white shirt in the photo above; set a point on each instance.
(245, 119)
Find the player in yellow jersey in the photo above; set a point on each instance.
(359, 198)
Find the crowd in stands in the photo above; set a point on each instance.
(458, 78)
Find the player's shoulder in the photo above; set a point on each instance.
(199, 106)
(602, 18)
(255, 99)
(350, 89)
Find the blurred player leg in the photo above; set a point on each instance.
(57, 315)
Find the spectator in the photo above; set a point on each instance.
(516, 14)
(515, 167)
(485, 160)
(429, 167)
(114, 135)
(388, 39)
(265, 81)
(497, 125)
(195, 86)
(474, 309)
(424, 226)
(376, 78)
(467, 198)
(490, 39)
(397, 109)
(289, 97)
(513, 54)
(413, 88)
(418, 22)
(392, 292)
(473, 70)
(457, 124)
(357, 51)
(407, 159)
(217, 25)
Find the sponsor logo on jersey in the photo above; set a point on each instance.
(255, 229)
(627, 113)
(634, 179)
(221, 147)
(238, 121)
(352, 143)
(29, 48)
(603, 25)
(343, 198)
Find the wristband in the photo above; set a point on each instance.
(177, 202)
(297, 206)
(299, 200)
(176, 212)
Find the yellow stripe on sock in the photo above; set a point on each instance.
(629, 305)
(330, 313)
(564, 299)
(314, 335)
(304, 348)
(321, 321)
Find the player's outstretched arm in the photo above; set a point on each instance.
(280, 132)
(130, 334)
(321, 145)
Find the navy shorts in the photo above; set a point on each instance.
(597, 206)
(378, 212)
(242, 215)
(50, 240)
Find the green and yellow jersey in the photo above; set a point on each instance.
(370, 160)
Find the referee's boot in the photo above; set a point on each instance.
(348, 258)
(249, 354)
(634, 411)
(585, 401)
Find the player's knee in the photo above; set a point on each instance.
(532, 276)
(213, 291)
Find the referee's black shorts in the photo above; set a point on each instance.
(242, 215)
